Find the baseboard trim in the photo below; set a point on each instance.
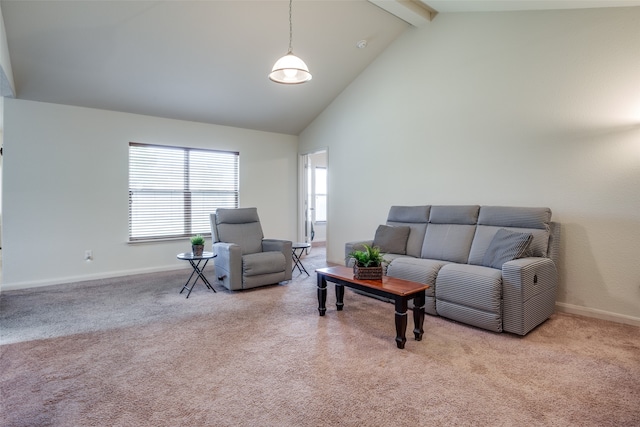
(84, 278)
(597, 314)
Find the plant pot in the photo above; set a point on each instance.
(367, 273)
(197, 250)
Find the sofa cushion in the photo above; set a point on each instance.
(512, 216)
(414, 217)
(448, 242)
(416, 236)
(505, 246)
(421, 271)
(454, 214)
(392, 239)
(416, 270)
(409, 214)
(471, 294)
(520, 219)
(485, 233)
(471, 285)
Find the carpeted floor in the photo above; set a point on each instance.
(134, 352)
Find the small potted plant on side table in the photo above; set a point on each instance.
(197, 245)
(368, 263)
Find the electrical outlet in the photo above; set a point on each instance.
(88, 255)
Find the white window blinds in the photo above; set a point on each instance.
(172, 190)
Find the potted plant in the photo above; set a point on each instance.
(368, 263)
(197, 245)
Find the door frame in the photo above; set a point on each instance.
(303, 193)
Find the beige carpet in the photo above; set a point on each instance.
(134, 352)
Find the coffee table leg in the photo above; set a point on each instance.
(339, 297)
(401, 322)
(418, 315)
(322, 294)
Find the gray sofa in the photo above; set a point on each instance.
(493, 267)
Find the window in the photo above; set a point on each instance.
(320, 194)
(172, 190)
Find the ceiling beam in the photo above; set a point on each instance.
(415, 12)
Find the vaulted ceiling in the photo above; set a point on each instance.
(208, 61)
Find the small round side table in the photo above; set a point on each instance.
(299, 246)
(195, 263)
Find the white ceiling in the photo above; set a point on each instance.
(206, 61)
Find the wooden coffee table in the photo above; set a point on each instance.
(401, 291)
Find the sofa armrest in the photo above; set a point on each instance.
(228, 262)
(283, 246)
(529, 288)
(354, 246)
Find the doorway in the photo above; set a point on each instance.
(313, 198)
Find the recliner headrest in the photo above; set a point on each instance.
(236, 216)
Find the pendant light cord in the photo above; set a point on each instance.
(290, 28)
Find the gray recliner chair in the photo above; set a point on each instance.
(245, 259)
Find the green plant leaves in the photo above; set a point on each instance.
(197, 240)
(369, 257)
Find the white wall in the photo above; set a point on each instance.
(517, 108)
(66, 189)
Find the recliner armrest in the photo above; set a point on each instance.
(529, 288)
(226, 250)
(228, 262)
(283, 246)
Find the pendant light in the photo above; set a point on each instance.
(290, 69)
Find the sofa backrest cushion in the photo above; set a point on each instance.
(409, 214)
(510, 216)
(454, 214)
(519, 219)
(416, 218)
(450, 233)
